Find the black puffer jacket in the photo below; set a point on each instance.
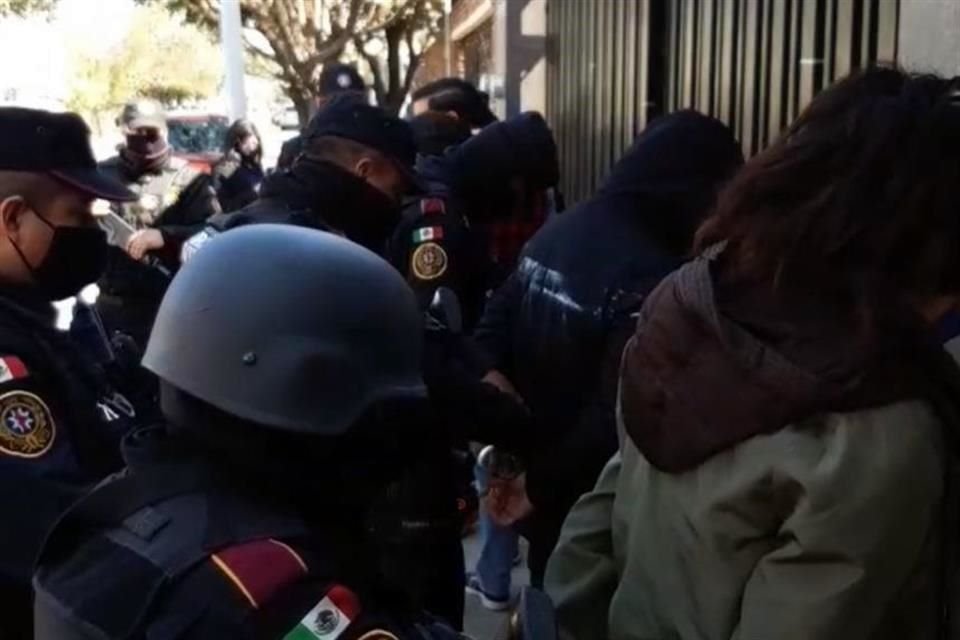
(557, 326)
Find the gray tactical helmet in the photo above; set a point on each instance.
(290, 328)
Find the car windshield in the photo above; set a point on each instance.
(197, 136)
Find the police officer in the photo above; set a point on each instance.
(293, 395)
(442, 240)
(173, 201)
(336, 81)
(456, 98)
(60, 423)
(356, 165)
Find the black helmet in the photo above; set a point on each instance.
(290, 328)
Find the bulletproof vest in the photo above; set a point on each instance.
(125, 278)
(156, 192)
(130, 543)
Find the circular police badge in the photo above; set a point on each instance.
(343, 80)
(429, 261)
(26, 426)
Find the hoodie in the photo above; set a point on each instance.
(557, 326)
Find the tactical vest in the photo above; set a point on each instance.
(139, 536)
(156, 192)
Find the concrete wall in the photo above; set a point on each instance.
(930, 36)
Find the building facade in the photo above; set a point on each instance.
(600, 70)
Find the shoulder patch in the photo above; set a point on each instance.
(429, 261)
(260, 569)
(432, 206)
(195, 243)
(12, 368)
(425, 234)
(330, 618)
(27, 429)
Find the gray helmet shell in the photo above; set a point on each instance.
(290, 328)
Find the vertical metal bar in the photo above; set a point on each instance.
(764, 60)
(887, 27)
(615, 112)
(725, 69)
(689, 54)
(705, 60)
(631, 58)
(844, 39)
(741, 75)
(829, 45)
(778, 73)
(609, 80)
(865, 24)
(811, 55)
(594, 95)
(656, 52)
(793, 60)
(751, 69)
(568, 87)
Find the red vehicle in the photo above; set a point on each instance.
(198, 138)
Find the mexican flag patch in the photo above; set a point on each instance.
(330, 618)
(427, 234)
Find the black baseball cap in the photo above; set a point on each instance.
(57, 144)
(337, 78)
(370, 126)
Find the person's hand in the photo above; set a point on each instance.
(507, 501)
(143, 241)
(501, 382)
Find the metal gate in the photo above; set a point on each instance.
(615, 64)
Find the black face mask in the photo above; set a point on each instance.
(76, 257)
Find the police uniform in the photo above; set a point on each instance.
(176, 201)
(60, 428)
(190, 558)
(434, 246)
(60, 421)
(245, 517)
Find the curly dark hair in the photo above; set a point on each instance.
(859, 199)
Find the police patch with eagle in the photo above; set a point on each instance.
(27, 429)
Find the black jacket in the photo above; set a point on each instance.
(236, 180)
(60, 431)
(318, 195)
(556, 328)
(441, 241)
(179, 546)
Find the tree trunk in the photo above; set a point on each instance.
(396, 92)
(304, 106)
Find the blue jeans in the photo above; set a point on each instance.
(498, 548)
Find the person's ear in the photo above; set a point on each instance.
(12, 211)
(454, 115)
(363, 168)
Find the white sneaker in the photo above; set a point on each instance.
(489, 603)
